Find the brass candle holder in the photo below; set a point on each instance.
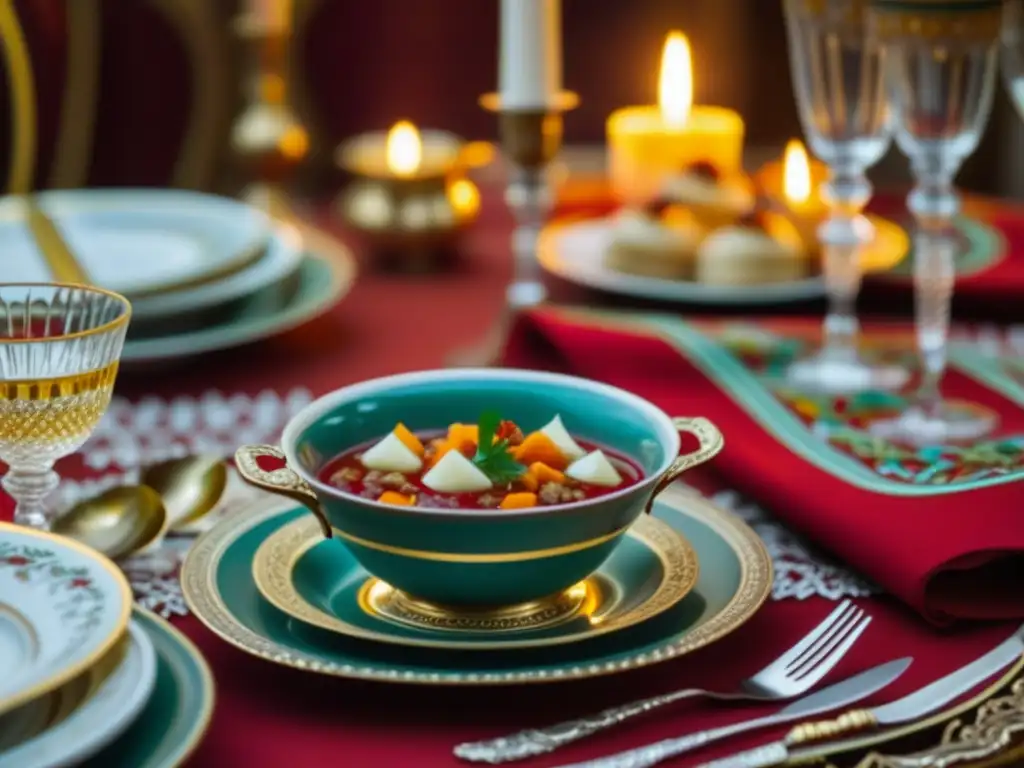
(268, 139)
(530, 141)
(410, 202)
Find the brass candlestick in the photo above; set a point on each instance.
(530, 140)
(268, 139)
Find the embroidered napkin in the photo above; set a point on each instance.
(940, 527)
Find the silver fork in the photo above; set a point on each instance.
(793, 673)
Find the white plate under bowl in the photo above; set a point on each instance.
(138, 242)
(283, 256)
(100, 719)
(62, 606)
(576, 252)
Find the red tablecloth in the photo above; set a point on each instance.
(271, 716)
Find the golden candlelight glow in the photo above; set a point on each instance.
(675, 82)
(464, 197)
(404, 150)
(796, 173)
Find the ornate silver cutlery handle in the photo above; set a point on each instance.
(529, 743)
(653, 754)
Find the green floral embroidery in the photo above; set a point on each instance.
(844, 422)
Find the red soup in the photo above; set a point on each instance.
(490, 465)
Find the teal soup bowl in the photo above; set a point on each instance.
(478, 557)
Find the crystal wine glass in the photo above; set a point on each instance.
(940, 72)
(838, 79)
(60, 346)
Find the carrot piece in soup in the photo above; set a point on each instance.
(461, 433)
(409, 440)
(528, 480)
(546, 474)
(519, 501)
(539, 447)
(399, 499)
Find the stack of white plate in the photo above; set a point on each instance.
(203, 272)
(82, 676)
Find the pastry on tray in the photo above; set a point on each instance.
(654, 243)
(760, 248)
(714, 200)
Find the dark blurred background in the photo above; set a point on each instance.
(168, 78)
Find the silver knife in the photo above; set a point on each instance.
(827, 699)
(911, 707)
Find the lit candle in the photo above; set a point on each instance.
(408, 193)
(771, 178)
(530, 60)
(800, 193)
(404, 152)
(649, 143)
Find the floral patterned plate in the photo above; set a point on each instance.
(62, 607)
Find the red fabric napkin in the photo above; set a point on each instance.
(953, 551)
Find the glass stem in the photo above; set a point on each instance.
(29, 487)
(529, 197)
(842, 236)
(934, 204)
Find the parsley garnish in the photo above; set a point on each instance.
(492, 456)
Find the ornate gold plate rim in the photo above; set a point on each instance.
(198, 580)
(277, 557)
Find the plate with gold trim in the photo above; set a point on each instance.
(187, 238)
(62, 608)
(735, 579)
(178, 712)
(318, 582)
(312, 290)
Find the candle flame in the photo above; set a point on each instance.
(675, 83)
(796, 173)
(404, 149)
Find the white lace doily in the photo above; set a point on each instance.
(133, 435)
(800, 571)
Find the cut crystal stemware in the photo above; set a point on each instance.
(940, 74)
(838, 78)
(60, 346)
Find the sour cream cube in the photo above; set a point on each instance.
(454, 473)
(594, 468)
(560, 436)
(391, 455)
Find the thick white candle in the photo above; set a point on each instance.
(530, 64)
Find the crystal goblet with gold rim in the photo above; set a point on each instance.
(60, 346)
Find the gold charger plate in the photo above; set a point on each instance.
(319, 583)
(735, 579)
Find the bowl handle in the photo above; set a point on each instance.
(282, 481)
(710, 442)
